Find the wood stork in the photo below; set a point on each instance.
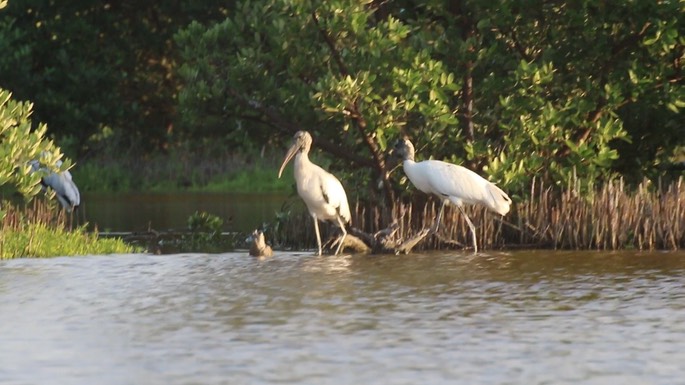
(61, 182)
(322, 192)
(451, 183)
(258, 246)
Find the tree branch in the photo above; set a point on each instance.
(513, 43)
(356, 115)
(288, 128)
(331, 46)
(604, 69)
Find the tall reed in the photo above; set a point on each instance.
(610, 217)
(40, 230)
(35, 212)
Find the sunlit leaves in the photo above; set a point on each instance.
(551, 82)
(20, 144)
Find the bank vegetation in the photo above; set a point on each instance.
(611, 216)
(39, 229)
(528, 95)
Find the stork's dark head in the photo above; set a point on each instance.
(302, 142)
(403, 149)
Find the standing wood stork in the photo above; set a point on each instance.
(258, 246)
(65, 189)
(322, 192)
(451, 183)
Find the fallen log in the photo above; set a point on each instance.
(382, 242)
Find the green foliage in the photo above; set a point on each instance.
(182, 170)
(253, 180)
(20, 144)
(40, 240)
(90, 64)
(37, 230)
(203, 222)
(568, 104)
(511, 90)
(347, 70)
(531, 121)
(94, 177)
(205, 234)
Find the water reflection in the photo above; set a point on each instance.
(161, 211)
(501, 317)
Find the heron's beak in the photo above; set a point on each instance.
(291, 153)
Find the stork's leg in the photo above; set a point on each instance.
(342, 239)
(472, 227)
(318, 235)
(434, 229)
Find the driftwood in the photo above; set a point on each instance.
(386, 241)
(382, 242)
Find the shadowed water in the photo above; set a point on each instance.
(496, 318)
(162, 211)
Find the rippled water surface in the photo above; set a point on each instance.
(495, 318)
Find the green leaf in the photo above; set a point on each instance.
(633, 77)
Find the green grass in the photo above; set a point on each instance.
(183, 173)
(41, 230)
(40, 240)
(105, 178)
(255, 180)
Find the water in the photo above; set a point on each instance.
(125, 212)
(495, 318)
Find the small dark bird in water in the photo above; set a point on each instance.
(258, 246)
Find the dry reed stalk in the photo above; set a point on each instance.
(36, 212)
(610, 217)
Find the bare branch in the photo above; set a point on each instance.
(356, 115)
(276, 120)
(331, 46)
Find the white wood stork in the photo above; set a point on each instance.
(322, 192)
(258, 246)
(65, 189)
(451, 183)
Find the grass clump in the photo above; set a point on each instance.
(41, 231)
(39, 240)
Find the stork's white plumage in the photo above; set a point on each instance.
(320, 190)
(452, 183)
(65, 189)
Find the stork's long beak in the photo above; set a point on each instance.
(291, 153)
